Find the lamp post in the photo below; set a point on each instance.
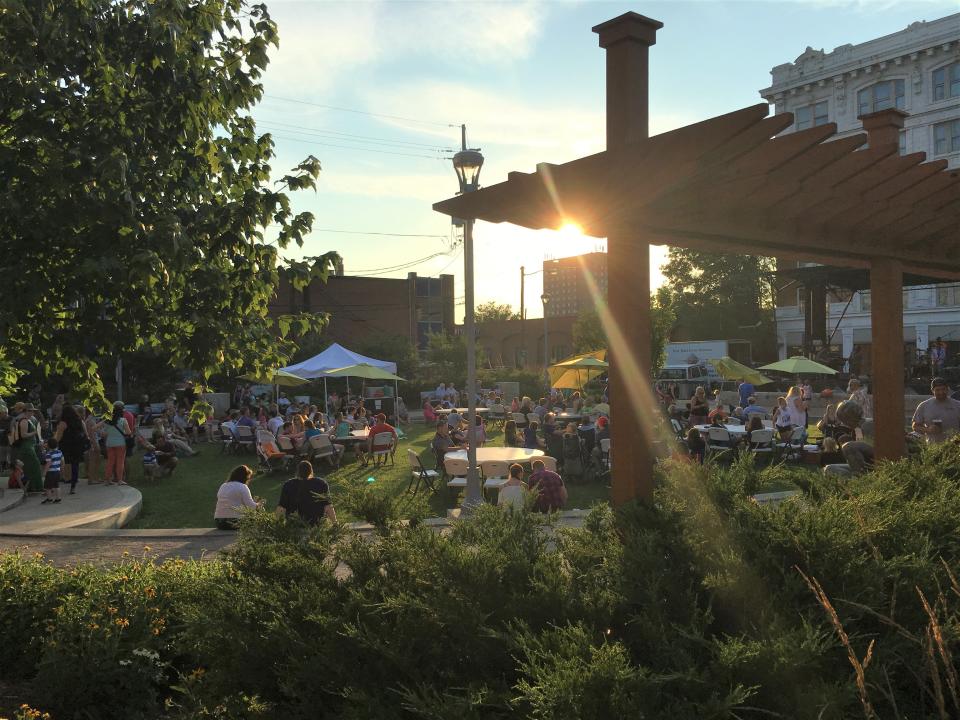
(467, 164)
(546, 342)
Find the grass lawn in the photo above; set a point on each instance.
(187, 499)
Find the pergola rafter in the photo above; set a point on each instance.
(729, 184)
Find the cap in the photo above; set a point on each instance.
(937, 381)
(118, 404)
(602, 421)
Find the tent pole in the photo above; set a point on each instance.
(396, 397)
(326, 400)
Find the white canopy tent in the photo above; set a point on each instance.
(333, 358)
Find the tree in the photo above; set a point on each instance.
(395, 348)
(721, 296)
(137, 192)
(589, 333)
(448, 356)
(490, 311)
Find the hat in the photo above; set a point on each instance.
(602, 422)
(19, 407)
(118, 404)
(937, 381)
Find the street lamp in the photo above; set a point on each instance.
(546, 342)
(467, 164)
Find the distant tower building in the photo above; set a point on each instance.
(575, 283)
(918, 71)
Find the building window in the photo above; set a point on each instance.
(864, 300)
(948, 296)
(946, 137)
(811, 115)
(946, 82)
(881, 96)
(903, 142)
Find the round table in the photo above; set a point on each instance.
(501, 454)
(462, 411)
(569, 417)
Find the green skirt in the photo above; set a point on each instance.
(32, 472)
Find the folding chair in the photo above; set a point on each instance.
(420, 474)
(718, 441)
(677, 428)
(761, 442)
(228, 443)
(321, 447)
(286, 445)
(533, 417)
(457, 472)
(498, 413)
(605, 453)
(383, 448)
(495, 474)
(271, 457)
(519, 418)
(245, 437)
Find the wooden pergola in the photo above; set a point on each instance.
(729, 185)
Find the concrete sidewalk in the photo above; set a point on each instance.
(92, 507)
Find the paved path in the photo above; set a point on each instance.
(99, 550)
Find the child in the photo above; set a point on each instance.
(530, 439)
(151, 468)
(831, 454)
(16, 476)
(695, 445)
(53, 461)
(480, 432)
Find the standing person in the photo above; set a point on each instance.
(24, 441)
(513, 494)
(71, 436)
(93, 454)
(306, 496)
(859, 395)
(937, 418)
(551, 494)
(56, 410)
(745, 390)
(234, 498)
(115, 431)
(52, 463)
(5, 421)
(699, 409)
(189, 394)
(806, 390)
(938, 356)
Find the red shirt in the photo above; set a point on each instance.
(131, 421)
(381, 428)
(551, 494)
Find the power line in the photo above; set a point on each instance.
(400, 146)
(320, 131)
(350, 147)
(395, 268)
(361, 232)
(361, 112)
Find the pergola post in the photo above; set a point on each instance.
(886, 315)
(886, 352)
(627, 40)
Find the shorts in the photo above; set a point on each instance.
(52, 480)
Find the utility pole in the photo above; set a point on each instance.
(523, 342)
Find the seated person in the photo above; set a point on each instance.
(831, 454)
(530, 439)
(442, 443)
(513, 494)
(550, 492)
(307, 496)
(459, 434)
(234, 498)
(165, 453)
(382, 426)
(718, 416)
(429, 414)
(753, 408)
(828, 424)
(310, 429)
(737, 417)
(454, 419)
(510, 436)
(342, 428)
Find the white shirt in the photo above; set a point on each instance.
(513, 496)
(232, 498)
(275, 423)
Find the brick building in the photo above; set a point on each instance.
(363, 307)
(569, 281)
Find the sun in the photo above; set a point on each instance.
(571, 229)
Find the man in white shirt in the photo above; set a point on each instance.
(452, 395)
(441, 392)
(937, 418)
(276, 422)
(453, 419)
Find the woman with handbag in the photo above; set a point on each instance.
(25, 441)
(116, 432)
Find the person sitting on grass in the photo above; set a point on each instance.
(234, 499)
(306, 496)
(513, 495)
(52, 463)
(831, 454)
(551, 494)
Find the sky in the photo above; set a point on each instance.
(377, 90)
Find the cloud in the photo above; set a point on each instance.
(322, 45)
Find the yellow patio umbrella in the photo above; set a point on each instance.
(730, 369)
(800, 366)
(574, 372)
